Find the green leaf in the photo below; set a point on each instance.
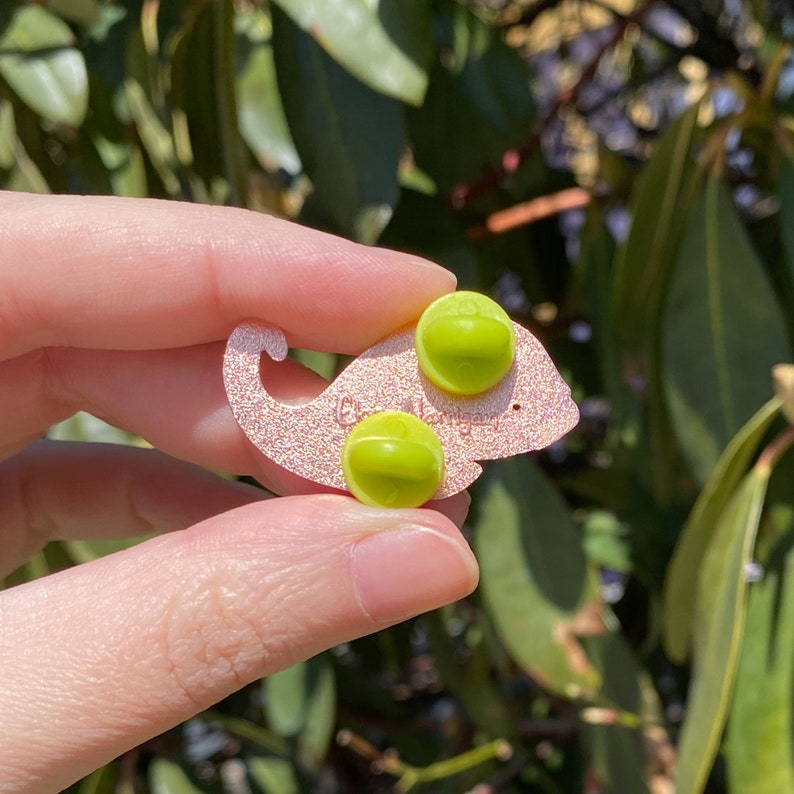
(478, 103)
(167, 777)
(286, 695)
(156, 139)
(718, 629)
(386, 44)
(81, 551)
(300, 702)
(786, 195)
(620, 755)
(82, 12)
(40, 63)
(681, 580)
(33, 568)
(349, 138)
(534, 578)
(606, 541)
(261, 114)
(326, 365)
(124, 165)
(24, 174)
(643, 264)
(723, 332)
(759, 739)
(102, 781)
(589, 296)
(83, 426)
(470, 681)
(272, 775)
(249, 731)
(8, 134)
(51, 559)
(204, 129)
(422, 225)
(659, 206)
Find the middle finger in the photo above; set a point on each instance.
(175, 399)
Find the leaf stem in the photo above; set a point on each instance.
(244, 729)
(770, 81)
(774, 450)
(409, 776)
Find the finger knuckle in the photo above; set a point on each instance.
(212, 640)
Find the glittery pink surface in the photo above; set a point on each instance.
(530, 408)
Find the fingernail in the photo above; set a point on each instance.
(404, 572)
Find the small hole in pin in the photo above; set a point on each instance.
(516, 406)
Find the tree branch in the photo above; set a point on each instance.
(460, 195)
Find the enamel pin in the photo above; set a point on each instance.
(408, 419)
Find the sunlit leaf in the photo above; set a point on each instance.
(718, 628)
(386, 44)
(681, 581)
(155, 137)
(24, 174)
(33, 568)
(102, 781)
(110, 16)
(272, 775)
(39, 61)
(261, 114)
(86, 550)
(535, 582)
(761, 722)
(353, 164)
(8, 134)
(167, 777)
(204, 118)
(286, 696)
(124, 164)
(300, 702)
(758, 741)
(606, 541)
(85, 427)
(326, 365)
(723, 332)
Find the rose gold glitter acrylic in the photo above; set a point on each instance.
(530, 408)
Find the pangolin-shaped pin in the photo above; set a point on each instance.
(481, 385)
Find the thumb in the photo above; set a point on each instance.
(99, 658)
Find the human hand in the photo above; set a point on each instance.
(121, 308)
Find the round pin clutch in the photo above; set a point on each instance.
(393, 459)
(465, 343)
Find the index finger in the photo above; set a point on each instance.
(146, 274)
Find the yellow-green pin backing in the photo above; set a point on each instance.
(393, 459)
(465, 343)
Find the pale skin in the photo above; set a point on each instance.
(121, 308)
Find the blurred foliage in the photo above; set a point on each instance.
(620, 175)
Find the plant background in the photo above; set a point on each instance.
(618, 174)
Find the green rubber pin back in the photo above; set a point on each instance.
(393, 459)
(465, 343)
